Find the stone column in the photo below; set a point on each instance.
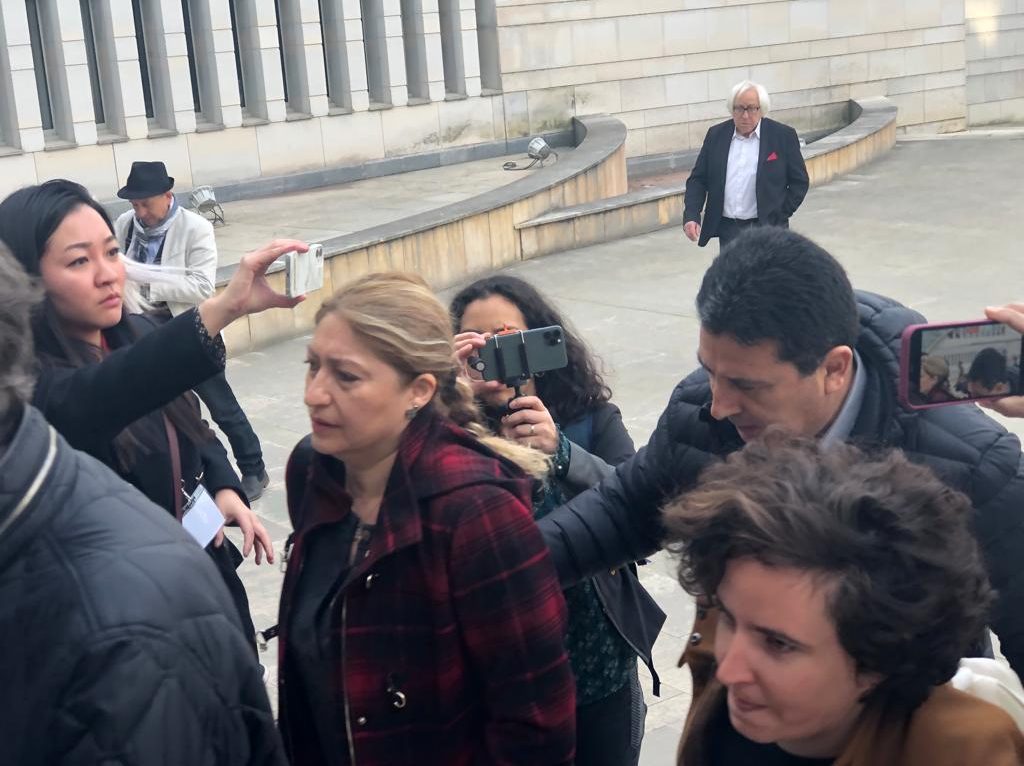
(218, 59)
(304, 58)
(25, 121)
(355, 53)
(470, 48)
(435, 59)
(256, 22)
(395, 42)
(70, 86)
(123, 86)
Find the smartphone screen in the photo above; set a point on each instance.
(965, 362)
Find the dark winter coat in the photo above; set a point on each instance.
(149, 365)
(120, 644)
(449, 634)
(620, 520)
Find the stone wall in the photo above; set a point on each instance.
(248, 89)
(665, 67)
(995, 61)
(272, 94)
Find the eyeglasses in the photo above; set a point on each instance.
(746, 110)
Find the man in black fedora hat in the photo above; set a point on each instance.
(180, 250)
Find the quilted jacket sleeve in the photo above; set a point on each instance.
(92, 404)
(998, 496)
(141, 698)
(619, 520)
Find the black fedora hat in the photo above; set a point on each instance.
(147, 179)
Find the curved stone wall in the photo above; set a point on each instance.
(871, 133)
(451, 243)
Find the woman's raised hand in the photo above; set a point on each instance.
(466, 346)
(248, 292)
(531, 424)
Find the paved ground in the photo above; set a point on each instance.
(932, 224)
(314, 216)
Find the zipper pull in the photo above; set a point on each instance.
(287, 552)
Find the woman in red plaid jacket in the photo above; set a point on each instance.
(421, 619)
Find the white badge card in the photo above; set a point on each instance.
(202, 518)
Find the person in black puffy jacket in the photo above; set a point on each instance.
(120, 642)
(786, 341)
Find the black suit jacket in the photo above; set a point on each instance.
(781, 182)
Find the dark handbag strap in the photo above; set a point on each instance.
(177, 487)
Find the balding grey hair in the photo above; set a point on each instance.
(742, 87)
(18, 294)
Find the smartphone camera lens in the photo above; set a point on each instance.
(552, 337)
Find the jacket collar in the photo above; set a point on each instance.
(29, 461)
(418, 474)
(757, 132)
(880, 736)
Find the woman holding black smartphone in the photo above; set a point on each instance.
(568, 414)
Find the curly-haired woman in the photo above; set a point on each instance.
(568, 414)
(847, 588)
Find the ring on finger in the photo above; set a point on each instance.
(533, 429)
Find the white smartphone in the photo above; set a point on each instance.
(304, 272)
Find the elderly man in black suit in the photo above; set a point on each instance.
(749, 172)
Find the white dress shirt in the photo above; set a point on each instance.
(741, 176)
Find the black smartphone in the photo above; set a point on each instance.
(515, 357)
(959, 363)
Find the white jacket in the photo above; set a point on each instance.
(189, 245)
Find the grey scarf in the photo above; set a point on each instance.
(146, 240)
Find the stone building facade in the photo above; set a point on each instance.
(229, 90)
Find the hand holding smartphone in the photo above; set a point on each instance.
(304, 272)
(959, 363)
(515, 357)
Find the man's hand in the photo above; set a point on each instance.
(254, 533)
(1011, 315)
(692, 230)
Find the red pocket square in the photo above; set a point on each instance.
(772, 157)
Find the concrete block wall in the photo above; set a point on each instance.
(226, 141)
(665, 67)
(995, 61)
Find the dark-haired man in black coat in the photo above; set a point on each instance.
(119, 643)
(786, 342)
(750, 172)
